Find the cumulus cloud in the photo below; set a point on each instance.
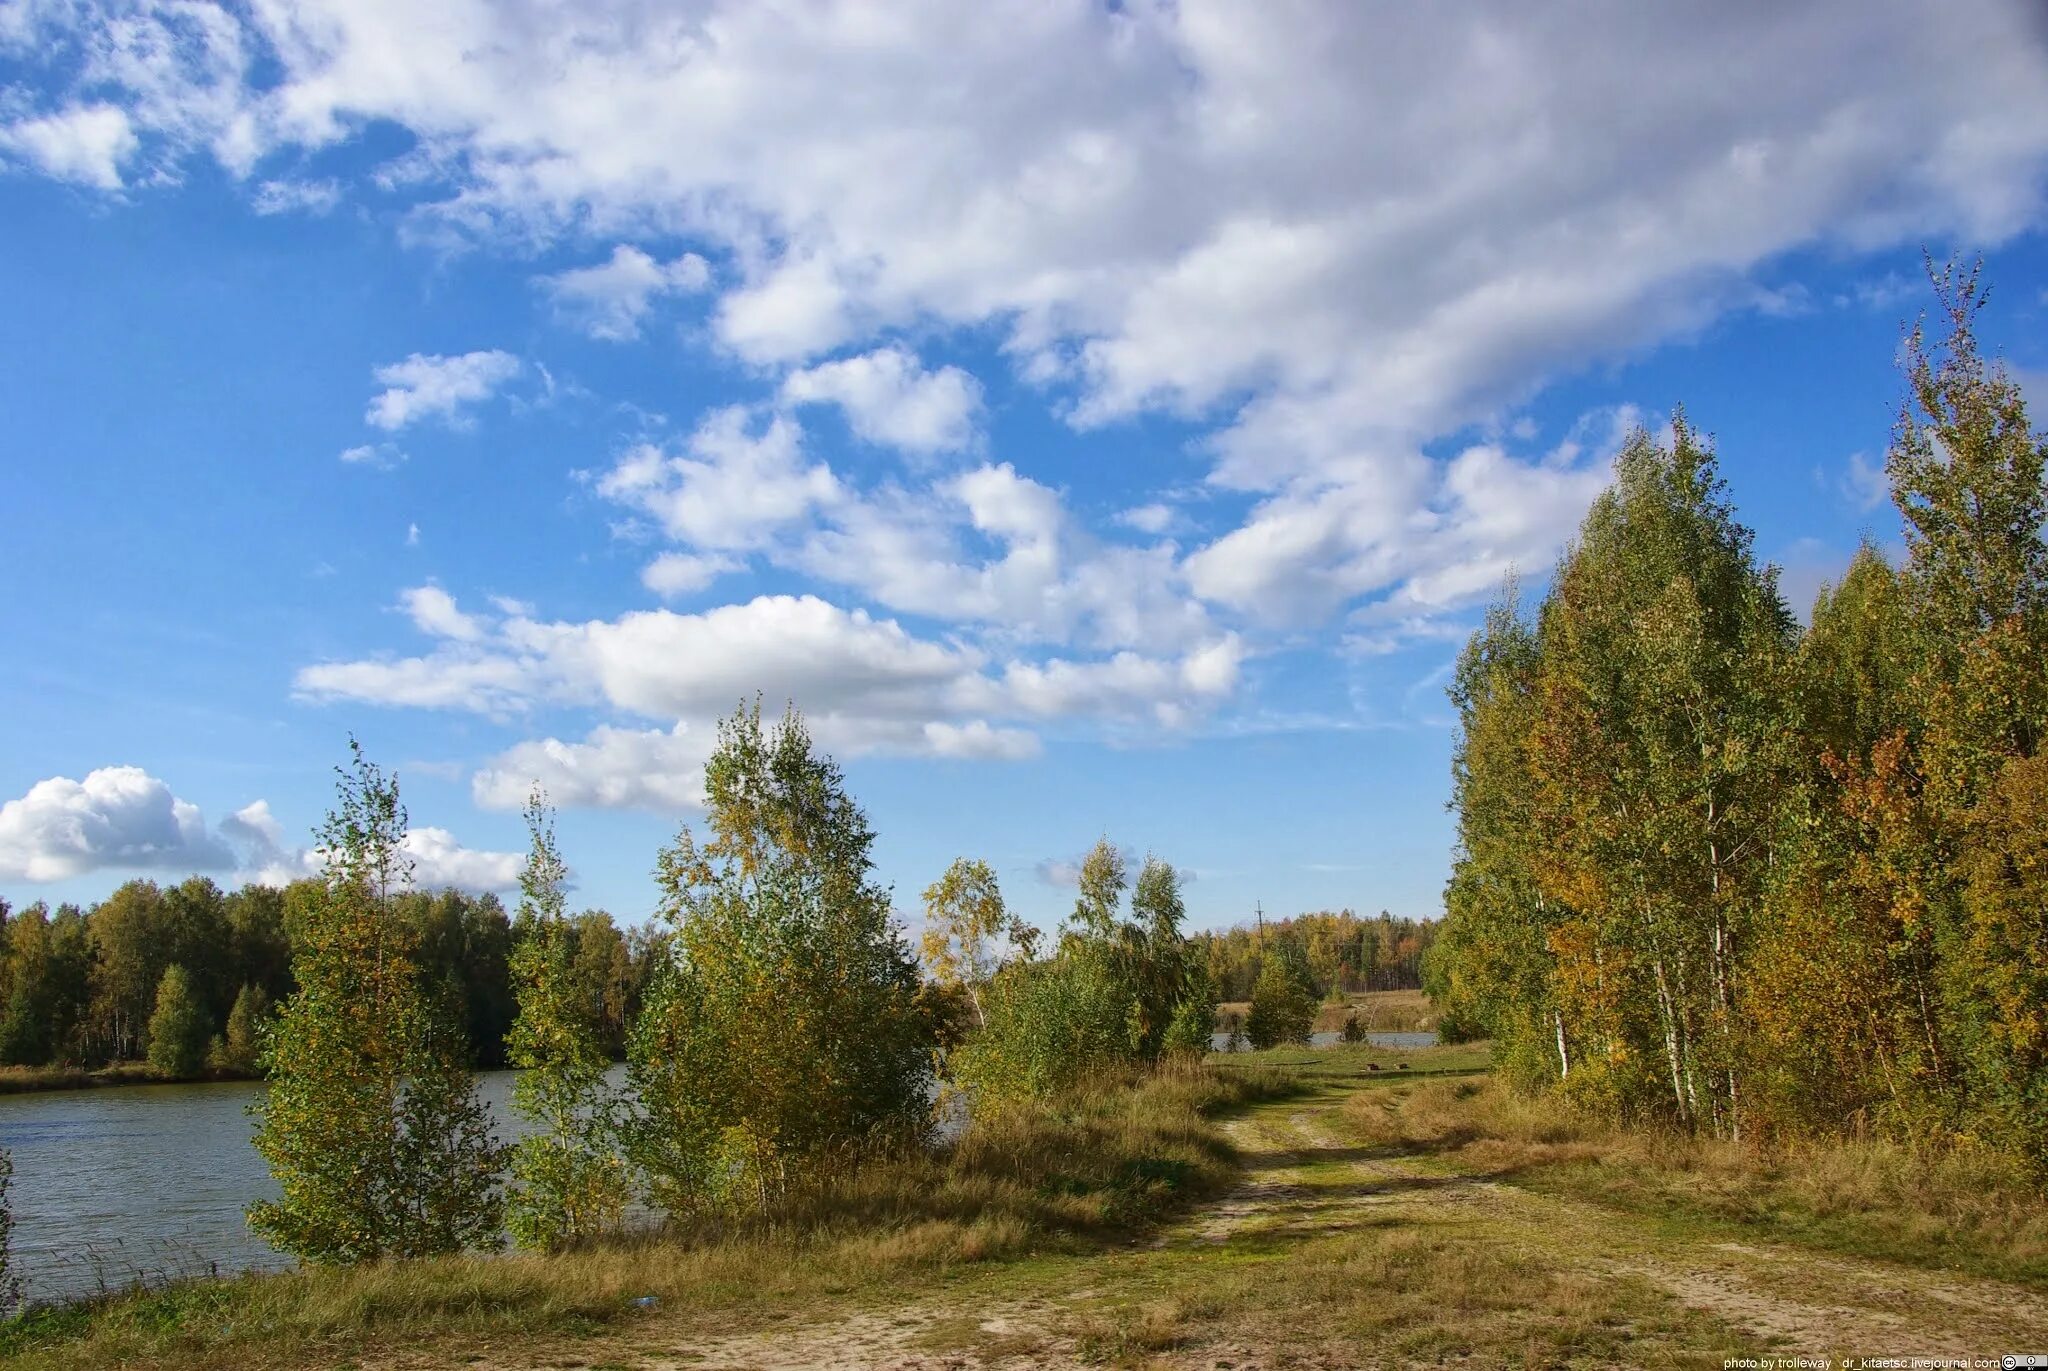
(1325, 243)
(1328, 240)
(734, 484)
(435, 387)
(439, 860)
(890, 400)
(118, 817)
(85, 144)
(993, 549)
(611, 298)
(1415, 536)
(433, 611)
(1154, 519)
(866, 685)
(434, 856)
(1360, 219)
(682, 573)
(121, 818)
(612, 768)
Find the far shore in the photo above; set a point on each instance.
(22, 1080)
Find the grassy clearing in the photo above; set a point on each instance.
(1109, 1163)
(1379, 1011)
(1970, 1212)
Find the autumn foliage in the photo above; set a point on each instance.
(1751, 879)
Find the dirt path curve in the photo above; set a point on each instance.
(1307, 1179)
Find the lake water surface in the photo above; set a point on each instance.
(150, 1181)
(144, 1182)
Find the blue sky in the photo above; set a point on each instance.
(1098, 421)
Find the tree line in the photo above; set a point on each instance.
(1756, 880)
(183, 976)
(1342, 953)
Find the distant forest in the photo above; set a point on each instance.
(1344, 952)
(80, 986)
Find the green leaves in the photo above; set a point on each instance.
(178, 1028)
(1741, 879)
(786, 1024)
(1116, 992)
(371, 1125)
(1283, 999)
(569, 1183)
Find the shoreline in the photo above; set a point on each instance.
(32, 1080)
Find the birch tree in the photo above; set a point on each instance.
(371, 1123)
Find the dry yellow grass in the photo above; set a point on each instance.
(1968, 1210)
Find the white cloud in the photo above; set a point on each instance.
(1418, 537)
(981, 741)
(425, 387)
(1154, 519)
(994, 549)
(433, 611)
(118, 817)
(734, 485)
(682, 573)
(302, 197)
(1362, 221)
(613, 768)
(891, 400)
(864, 684)
(85, 144)
(612, 298)
(1325, 242)
(437, 860)
(1864, 483)
(381, 456)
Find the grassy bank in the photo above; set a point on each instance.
(1101, 1166)
(20, 1080)
(1963, 1211)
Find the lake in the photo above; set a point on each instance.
(144, 1182)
